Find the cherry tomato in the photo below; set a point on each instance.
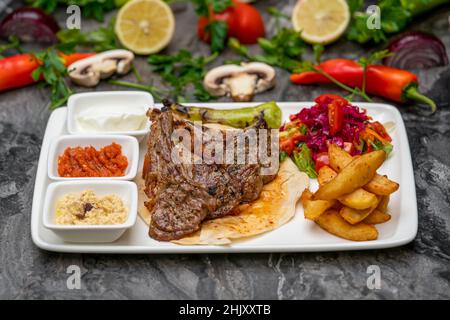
(322, 160)
(244, 23)
(248, 23)
(227, 16)
(328, 98)
(335, 116)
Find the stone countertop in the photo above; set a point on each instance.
(418, 270)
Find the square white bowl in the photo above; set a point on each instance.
(130, 148)
(126, 190)
(105, 100)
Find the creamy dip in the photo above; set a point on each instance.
(111, 120)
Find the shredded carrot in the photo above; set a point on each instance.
(376, 135)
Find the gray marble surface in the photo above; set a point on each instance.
(417, 270)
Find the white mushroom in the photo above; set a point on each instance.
(88, 72)
(241, 82)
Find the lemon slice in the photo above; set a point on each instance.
(145, 26)
(321, 21)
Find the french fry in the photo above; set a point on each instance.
(338, 157)
(377, 217)
(306, 195)
(359, 199)
(314, 208)
(379, 185)
(354, 216)
(355, 175)
(332, 222)
(383, 204)
(326, 174)
(352, 197)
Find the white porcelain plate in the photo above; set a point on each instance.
(298, 235)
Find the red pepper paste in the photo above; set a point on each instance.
(88, 162)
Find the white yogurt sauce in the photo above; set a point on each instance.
(112, 119)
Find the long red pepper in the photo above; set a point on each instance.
(390, 83)
(16, 71)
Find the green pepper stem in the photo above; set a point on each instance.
(412, 93)
(341, 85)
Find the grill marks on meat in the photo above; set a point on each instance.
(182, 195)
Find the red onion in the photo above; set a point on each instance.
(416, 50)
(29, 25)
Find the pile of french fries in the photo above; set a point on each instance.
(352, 197)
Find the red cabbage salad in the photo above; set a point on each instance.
(305, 138)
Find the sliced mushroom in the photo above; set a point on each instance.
(241, 82)
(88, 72)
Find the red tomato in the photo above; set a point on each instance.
(328, 98)
(226, 16)
(249, 25)
(335, 116)
(243, 20)
(287, 146)
(322, 160)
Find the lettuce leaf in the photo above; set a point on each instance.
(304, 161)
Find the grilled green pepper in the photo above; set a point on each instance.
(237, 118)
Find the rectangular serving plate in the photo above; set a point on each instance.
(298, 235)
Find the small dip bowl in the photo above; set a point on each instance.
(106, 101)
(130, 148)
(125, 190)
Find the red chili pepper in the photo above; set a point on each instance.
(74, 57)
(16, 71)
(390, 83)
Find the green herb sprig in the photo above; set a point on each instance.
(218, 30)
(395, 16)
(283, 50)
(182, 72)
(53, 72)
(101, 39)
(89, 8)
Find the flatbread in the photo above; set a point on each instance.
(275, 207)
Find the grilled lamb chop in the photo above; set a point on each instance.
(182, 195)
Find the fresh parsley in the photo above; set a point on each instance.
(283, 50)
(183, 72)
(101, 39)
(218, 30)
(52, 71)
(89, 8)
(395, 16)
